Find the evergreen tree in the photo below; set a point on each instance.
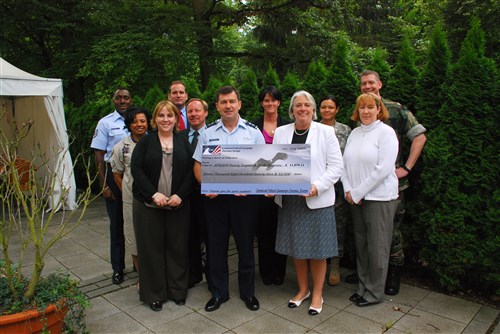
(192, 87)
(379, 64)
(404, 77)
(431, 90)
(271, 78)
(431, 87)
(315, 79)
(461, 220)
(249, 92)
(209, 95)
(153, 96)
(291, 84)
(341, 81)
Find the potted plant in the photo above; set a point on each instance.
(29, 227)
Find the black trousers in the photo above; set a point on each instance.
(162, 247)
(271, 264)
(115, 214)
(226, 213)
(197, 236)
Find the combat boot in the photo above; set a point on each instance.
(334, 276)
(392, 280)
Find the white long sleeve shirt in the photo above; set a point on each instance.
(369, 163)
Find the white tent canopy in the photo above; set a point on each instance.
(27, 97)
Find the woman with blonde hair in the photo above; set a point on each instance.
(162, 168)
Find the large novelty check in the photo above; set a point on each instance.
(256, 169)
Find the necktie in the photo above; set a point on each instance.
(194, 142)
(180, 124)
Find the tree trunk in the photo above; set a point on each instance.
(202, 13)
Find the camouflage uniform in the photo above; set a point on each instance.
(342, 211)
(407, 128)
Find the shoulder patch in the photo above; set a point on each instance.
(390, 102)
(250, 124)
(212, 124)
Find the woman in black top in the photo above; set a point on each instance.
(272, 265)
(163, 176)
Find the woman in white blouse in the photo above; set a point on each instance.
(371, 187)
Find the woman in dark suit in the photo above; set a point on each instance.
(272, 265)
(163, 177)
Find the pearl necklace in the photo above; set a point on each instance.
(303, 133)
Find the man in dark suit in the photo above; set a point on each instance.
(197, 112)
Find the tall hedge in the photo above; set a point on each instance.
(431, 93)
(379, 64)
(432, 86)
(403, 82)
(249, 92)
(315, 78)
(460, 216)
(341, 81)
(291, 83)
(271, 78)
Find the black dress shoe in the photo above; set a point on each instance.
(251, 303)
(156, 306)
(279, 280)
(214, 303)
(355, 297)
(180, 302)
(361, 302)
(117, 277)
(352, 278)
(392, 281)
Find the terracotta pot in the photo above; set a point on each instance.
(32, 322)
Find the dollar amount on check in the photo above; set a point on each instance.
(256, 169)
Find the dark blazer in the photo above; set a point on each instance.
(260, 122)
(146, 167)
(185, 133)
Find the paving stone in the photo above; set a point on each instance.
(345, 322)
(92, 280)
(88, 288)
(100, 308)
(450, 307)
(116, 323)
(103, 291)
(475, 327)
(191, 323)
(486, 314)
(418, 321)
(269, 323)
(124, 298)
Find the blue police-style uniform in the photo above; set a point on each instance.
(227, 212)
(109, 131)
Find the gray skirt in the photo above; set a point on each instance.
(305, 233)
